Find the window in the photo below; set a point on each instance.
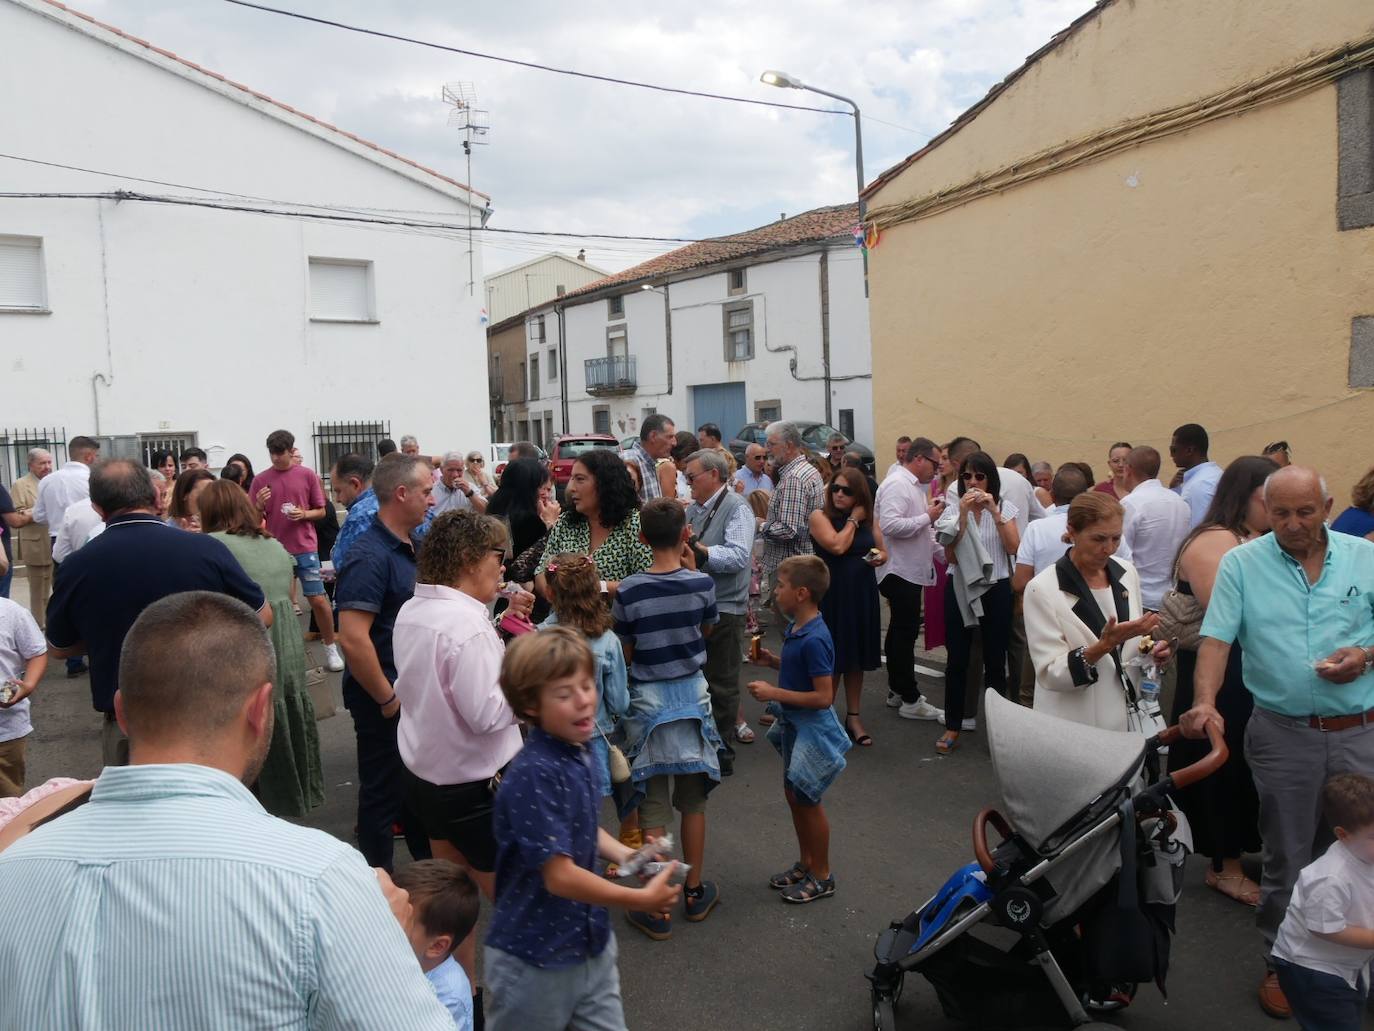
(767, 411)
(615, 307)
(333, 440)
(1355, 165)
(22, 286)
(847, 422)
(524, 390)
(601, 419)
(739, 332)
(341, 291)
(539, 331)
(534, 377)
(548, 427)
(617, 342)
(737, 285)
(553, 365)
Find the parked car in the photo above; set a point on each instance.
(571, 446)
(814, 435)
(628, 442)
(499, 455)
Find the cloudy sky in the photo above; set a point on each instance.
(573, 155)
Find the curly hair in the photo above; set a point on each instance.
(456, 542)
(576, 589)
(615, 493)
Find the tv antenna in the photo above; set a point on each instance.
(474, 123)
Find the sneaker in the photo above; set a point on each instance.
(920, 710)
(659, 928)
(332, 658)
(893, 699)
(698, 907)
(971, 723)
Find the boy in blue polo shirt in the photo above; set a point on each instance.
(806, 731)
(550, 955)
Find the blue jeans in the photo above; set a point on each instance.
(522, 997)
(1320, 1001)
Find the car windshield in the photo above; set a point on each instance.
(577, 448)
(819, 435)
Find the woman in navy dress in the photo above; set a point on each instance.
(848, 540)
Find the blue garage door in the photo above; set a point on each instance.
(722, 404)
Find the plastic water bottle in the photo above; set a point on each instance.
(1148, 693)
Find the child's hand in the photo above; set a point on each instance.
(762, 690)
(659, 896)
(767, 658)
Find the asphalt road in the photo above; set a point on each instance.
(900, 818)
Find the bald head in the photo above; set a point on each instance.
(1298, 504)
(1141, 464)
(1295, 483)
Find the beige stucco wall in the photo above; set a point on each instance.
(1198, 278)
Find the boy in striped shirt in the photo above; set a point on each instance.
(662, 617)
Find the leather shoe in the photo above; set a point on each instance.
(1271, 997)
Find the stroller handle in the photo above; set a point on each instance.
(982, 851)
(1204, 767)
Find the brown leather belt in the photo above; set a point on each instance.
(1326, 724)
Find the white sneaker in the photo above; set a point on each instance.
(971, 723)
(332, 658)
(920, 710)
(893, 699)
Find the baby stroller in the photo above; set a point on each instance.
(1075, 904)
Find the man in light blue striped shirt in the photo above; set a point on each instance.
(172, 899)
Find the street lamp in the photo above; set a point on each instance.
(784, 81)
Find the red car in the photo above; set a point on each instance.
(571, 446)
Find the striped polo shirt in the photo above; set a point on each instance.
(662, 614)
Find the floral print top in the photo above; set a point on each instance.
(620, 556)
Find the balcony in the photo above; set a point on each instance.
(609, 376)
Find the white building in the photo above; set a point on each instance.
(153, 323)
(766, 324)
(517, 289)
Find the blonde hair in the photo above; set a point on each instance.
(758, 501)
(534, 660)
(1089, 508)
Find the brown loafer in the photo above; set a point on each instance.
(1271, 998)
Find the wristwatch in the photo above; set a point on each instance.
(1368, 657)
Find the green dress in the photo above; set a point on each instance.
(622, 554)
(292, 780)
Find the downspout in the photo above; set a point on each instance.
(563, 364)
(825, 328)
(668, 335)
(105, 303)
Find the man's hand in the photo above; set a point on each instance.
(296, 514)
(264, 498)
(1342, 666)
(659, 896)
(391, 708)
(397, 898)
(762, 690)
(936, 508)
(739, 486)
(1194, 722)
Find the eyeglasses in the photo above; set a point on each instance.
(500, 552)
(1276, 447)
(478, 461)
(840, 488)
(693, 477)
(980, 477)
(932, 459)
(756, 458)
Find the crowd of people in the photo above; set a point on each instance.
(511, 661)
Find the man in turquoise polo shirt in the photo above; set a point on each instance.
(1300, 602)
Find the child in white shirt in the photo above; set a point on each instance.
(1326, 941)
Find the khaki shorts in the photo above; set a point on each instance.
(689, 796)
(12, 767)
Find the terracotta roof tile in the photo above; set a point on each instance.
(264, 97)
(819, 224)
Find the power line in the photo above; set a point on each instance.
(533, 64)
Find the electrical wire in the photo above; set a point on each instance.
(533, 64)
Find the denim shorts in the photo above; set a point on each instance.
(308, 573)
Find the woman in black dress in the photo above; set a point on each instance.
(1222, 809)
(848, 540)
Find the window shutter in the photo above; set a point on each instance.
(21, 273)
(339, 290)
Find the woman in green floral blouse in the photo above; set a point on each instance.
(602, 520)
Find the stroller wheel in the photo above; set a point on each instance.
(884, 1015)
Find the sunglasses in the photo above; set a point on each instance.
(840, 489)
(478, 461)
(1277, 446)
(979, 477)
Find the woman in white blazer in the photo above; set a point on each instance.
(1083, 620)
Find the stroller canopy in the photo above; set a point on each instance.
(1050, 769)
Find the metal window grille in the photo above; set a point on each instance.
(16, 442)
(151, 443)
(333, 440)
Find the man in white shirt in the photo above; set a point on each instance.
(1042, 545)
(1188, 449)
(1157, 520)
(81, 523)
(70, 483)
(906, 515)
(453, 492)
(903, 442)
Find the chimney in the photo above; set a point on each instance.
(582, 255)
(782, 217)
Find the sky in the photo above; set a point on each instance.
(570, 155)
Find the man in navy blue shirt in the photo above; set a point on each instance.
(377, 580)
(101, 590)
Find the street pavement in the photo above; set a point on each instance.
(900, 823)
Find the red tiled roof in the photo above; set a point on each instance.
(808, 227)
(992, 94)
(265, 98)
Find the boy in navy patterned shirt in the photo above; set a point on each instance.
(662, 617)
(550, 955)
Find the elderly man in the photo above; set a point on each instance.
(722, 546)
(903, 442)
(1300, 603)
(102, 588)
(751, 475)
(56, 493)
(32, 537)
(834, 451)
(786, 530)
(1155, 524)
(1197, 477)
(377, 579)
(906, 514)
(171, 898)
(656, 439)
(453, 492)
(409, 445)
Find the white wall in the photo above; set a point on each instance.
(787, 325)
(198, 319)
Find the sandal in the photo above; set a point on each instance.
(946, 744)
(1246, 891)
(810, 890)
(744, 733)
(787, 878)
(767, 719)
(863, 740)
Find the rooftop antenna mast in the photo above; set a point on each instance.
(474, 124)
